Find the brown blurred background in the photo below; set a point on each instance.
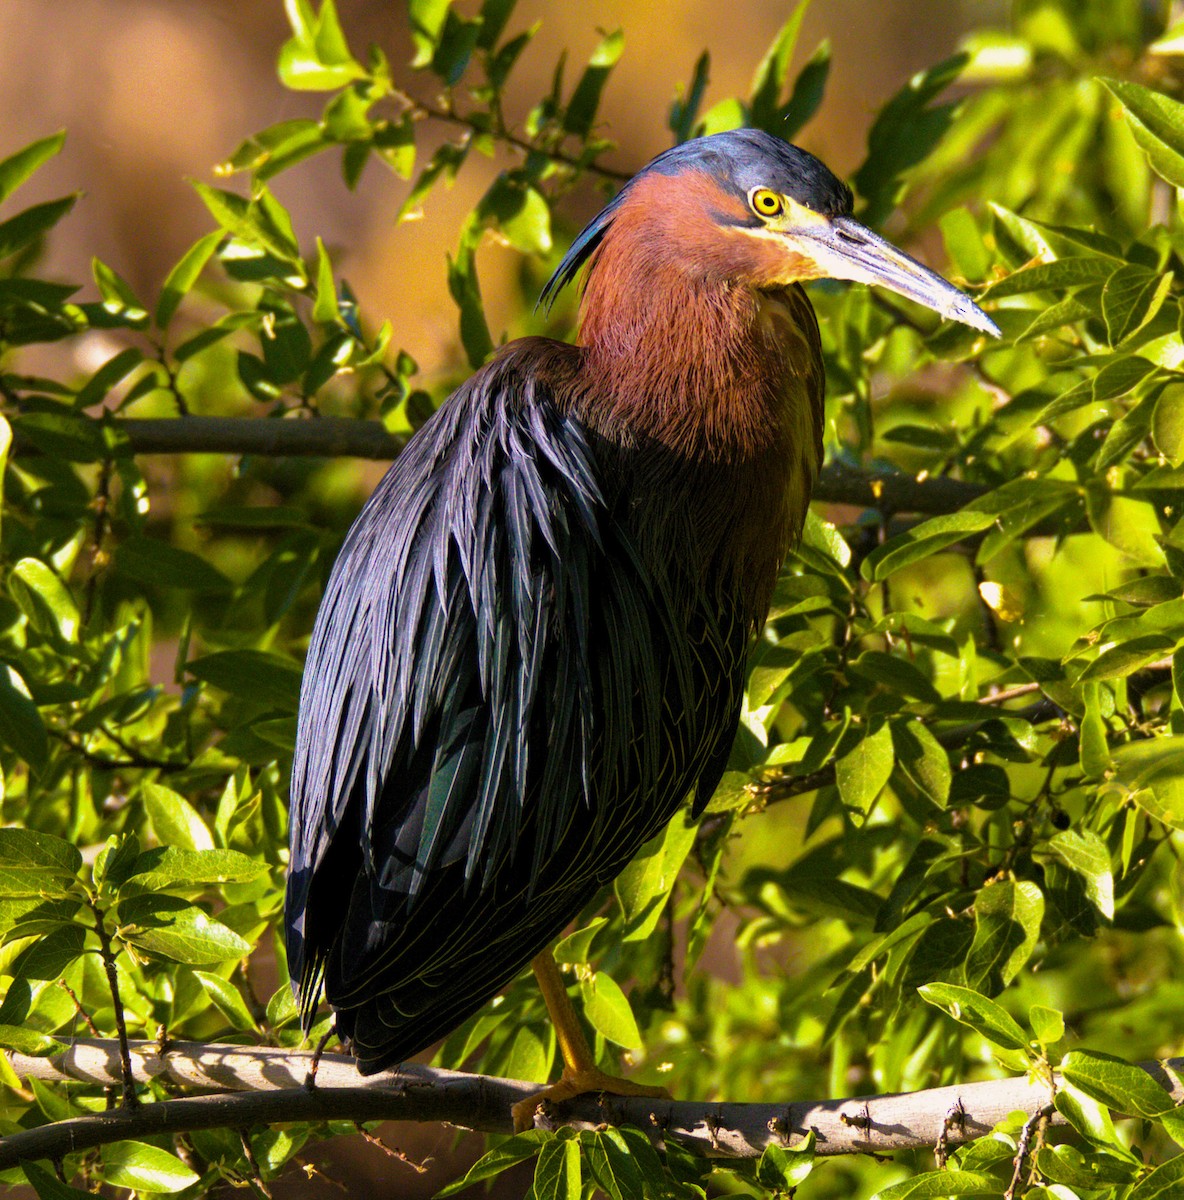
(155, 92)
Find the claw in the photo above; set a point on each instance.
(580, 1083)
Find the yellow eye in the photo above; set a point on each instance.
(766, 203)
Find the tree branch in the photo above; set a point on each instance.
(257, 1085)
(342, 437)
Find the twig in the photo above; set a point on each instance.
(126, 1078)
(257, 1184)
(420, 1168)
(423, 109)
(86, 1017)
(1034, 1122)
(1026, 689)
(259, 1085)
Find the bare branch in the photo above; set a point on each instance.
(257, 1085)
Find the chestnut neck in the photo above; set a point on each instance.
(710, 411)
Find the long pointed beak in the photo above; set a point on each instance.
(844, 249)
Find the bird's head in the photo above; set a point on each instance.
(748, 208)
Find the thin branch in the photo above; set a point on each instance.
(1026, 689)
(259, 1085)
(423, 109)
(126, 1076)
(341, 437)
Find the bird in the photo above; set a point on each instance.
(530, 653)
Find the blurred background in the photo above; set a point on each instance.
(154, 93)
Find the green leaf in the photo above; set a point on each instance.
(645, 884)
(495, 14)
(1130, 299)
(175, 820)
(28, 1041)
(1129, 525)
(116, 368)
(44, 599)
(1167, 424)
(1165, 1181)
(557, 1172)
(520, 214)
(118, 297)
(684, 112)
(26, 849)
(1067, 1165)
(825, 538)
(227, 999)
(1007, 917)
(808, 90)
(608, 1010)
(170, 868)
(964, 243)
(581, 109)
(145, 1168)
(1085, 853)
(50, 1187)
(1152, 772)
(862, 773)
(317, 58)
(1048, 1025)
(976, 1011)
(21, 726)
(465, 290)
(1095, 746)
(148, 560)
(903, 133)
(1119, 1085)
(49, 956)
(923, 540)
(923, 759)
(18, 167)
(184, 275)
(1090, 1119)
(783, 1168)
(1056, 276)
(171, 928)
(427, 24)
(577, 946)
(256, 222)
(256, 674)
(612, 1166)
(325, 309)
(772, 75)
(503, 1156)
(26, 227)
(942, 1183)
(1157, 122)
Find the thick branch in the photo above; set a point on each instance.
(340, 437)
(255, 1085)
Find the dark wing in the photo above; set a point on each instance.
(484, 734)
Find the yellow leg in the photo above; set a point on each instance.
(580, 1073)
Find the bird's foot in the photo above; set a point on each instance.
(575, 1083)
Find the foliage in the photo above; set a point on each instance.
(948, 842)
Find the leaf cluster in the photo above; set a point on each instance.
(948, 842)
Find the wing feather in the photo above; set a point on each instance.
(497, 710)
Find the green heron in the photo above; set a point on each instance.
(531, 649)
